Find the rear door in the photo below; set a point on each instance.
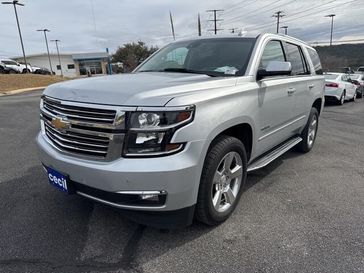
(301, 81)
(275, 102)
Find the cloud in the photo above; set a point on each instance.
(93, 25)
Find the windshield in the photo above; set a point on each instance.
(214, 57)
(330, 76)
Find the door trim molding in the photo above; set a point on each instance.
(281, 127)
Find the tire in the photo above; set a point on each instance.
(220, 189)
(309, 133)
(12, 71)
(341, 101)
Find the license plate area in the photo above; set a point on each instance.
(58, 180)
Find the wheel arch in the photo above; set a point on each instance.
(244, 131)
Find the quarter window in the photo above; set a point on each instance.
(295, 57)
(315, 61)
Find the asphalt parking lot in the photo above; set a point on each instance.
(302, 213)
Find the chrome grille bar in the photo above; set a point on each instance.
(91, 131)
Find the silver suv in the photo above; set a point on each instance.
(175, 139)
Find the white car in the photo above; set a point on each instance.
(339, 88)
(20, 68)
(360, 70)
(358, 80)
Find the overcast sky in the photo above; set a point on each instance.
(93, 25)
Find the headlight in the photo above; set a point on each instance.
(150, 132)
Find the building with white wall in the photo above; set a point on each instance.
(72, 65)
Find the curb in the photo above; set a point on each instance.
(17, 91)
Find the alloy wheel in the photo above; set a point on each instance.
(227, 181)
(312, 129)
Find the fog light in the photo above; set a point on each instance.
(150, 197)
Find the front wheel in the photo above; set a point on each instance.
(222, 181)
(309, 132)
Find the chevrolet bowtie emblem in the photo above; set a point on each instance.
(60, 123)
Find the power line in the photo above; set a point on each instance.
(233, 8)
(215, 20)
(312, 13)
(253, 12)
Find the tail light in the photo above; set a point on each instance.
(331, 84)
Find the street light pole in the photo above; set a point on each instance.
(332, 25)
(285, 30)
(46, 40)
(59, 58)
(16, 3)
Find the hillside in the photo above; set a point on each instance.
(336, 56)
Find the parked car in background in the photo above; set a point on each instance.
(18, 67)
(358, 80)
(338, 87)
(28, 67)
(176, 138)
(7, 70)
(360, 70)
(41, 70)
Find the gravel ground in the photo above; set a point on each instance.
(302, 213)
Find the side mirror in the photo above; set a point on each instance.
(275, 68)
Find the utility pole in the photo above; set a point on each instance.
(16, 3)
(46, 40)
(285, 30)
(332, 25)
(59, 58)
(279, 14)
(199, 24)
(232, 30)
(172, 26)
(215, 20)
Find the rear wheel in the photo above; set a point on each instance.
(309, 132)
(222, 181)
(341, 101)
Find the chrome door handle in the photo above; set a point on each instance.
(290, 91)
(311, 86)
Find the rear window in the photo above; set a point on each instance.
(361, 69)
(295, 57)
(330, 76)
(315, 61)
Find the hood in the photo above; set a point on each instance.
(136, 89)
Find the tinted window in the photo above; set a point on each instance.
(315, 60)
(272, 52)
(295, 57)
(361, 69)
(224, 56)
(9, 62)
(71, 66)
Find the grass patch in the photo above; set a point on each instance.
(9, 82)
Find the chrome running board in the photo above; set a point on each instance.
(269, 157)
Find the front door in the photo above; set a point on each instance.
(276, 101)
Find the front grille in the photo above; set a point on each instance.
(84, 129)
(86, 114)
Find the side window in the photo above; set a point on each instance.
(272, 52)
(315, 60)
(295, 57)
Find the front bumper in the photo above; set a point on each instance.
(178, 175)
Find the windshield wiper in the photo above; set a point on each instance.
(185, 70)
